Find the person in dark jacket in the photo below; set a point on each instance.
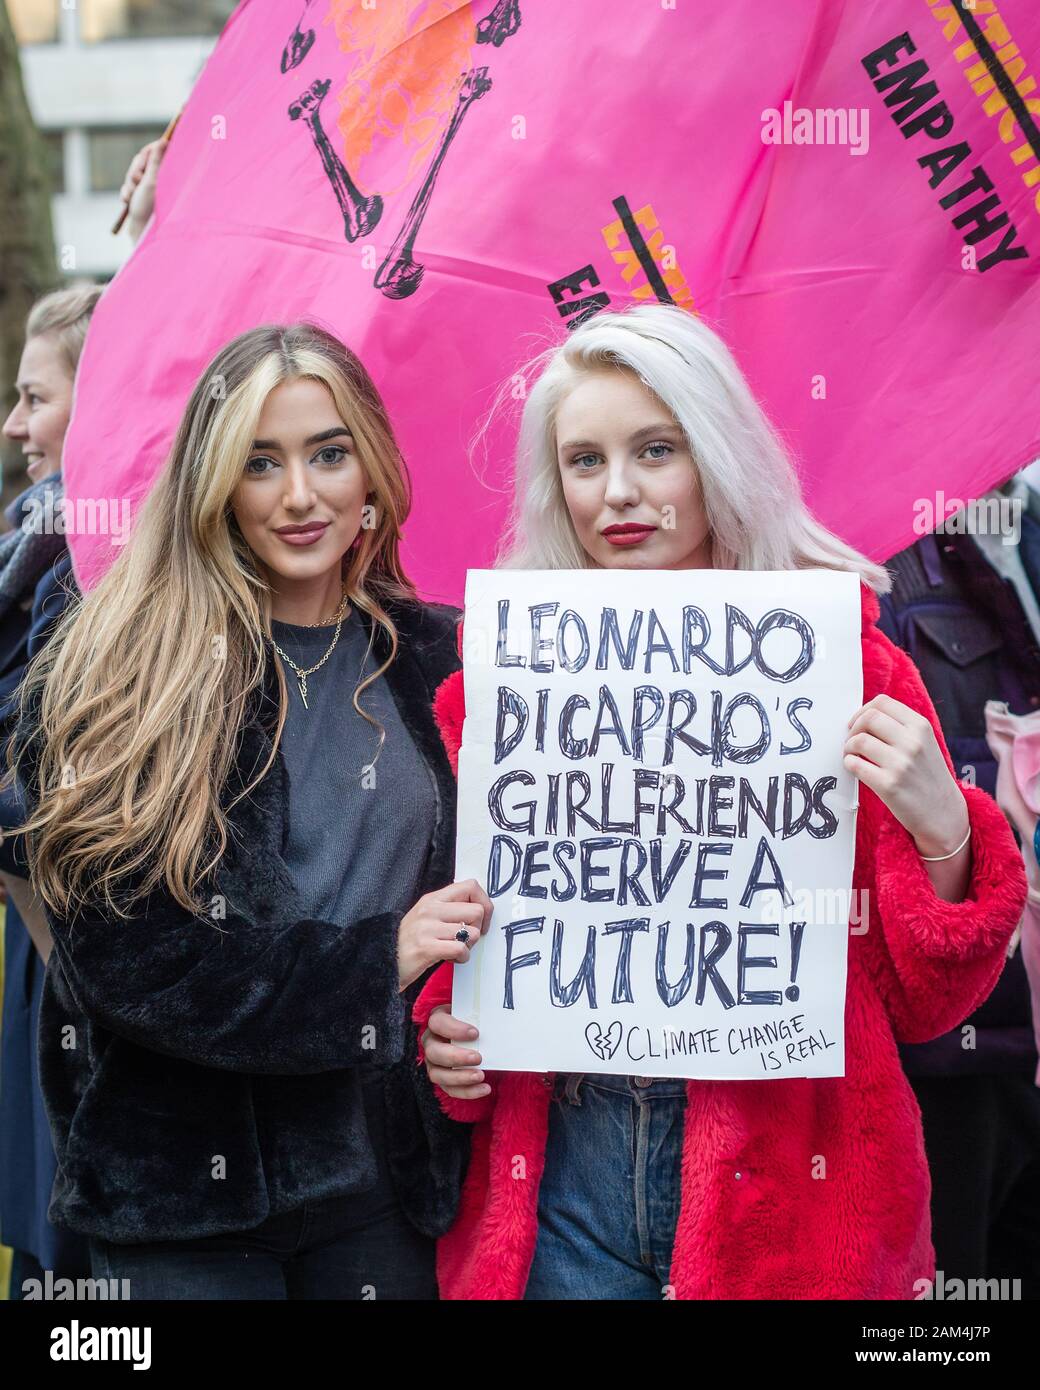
(35, 584)
(966, 625)
(241, 825)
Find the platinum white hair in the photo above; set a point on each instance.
(752, 495)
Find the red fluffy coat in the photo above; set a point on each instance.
(855, 1226)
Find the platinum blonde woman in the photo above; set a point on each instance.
(241, 826)
(640, 1188)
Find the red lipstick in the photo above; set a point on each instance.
(627, 533)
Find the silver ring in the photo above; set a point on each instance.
(462, 935)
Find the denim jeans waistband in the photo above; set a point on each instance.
(569, 1086)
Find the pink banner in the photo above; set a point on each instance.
(849, 190)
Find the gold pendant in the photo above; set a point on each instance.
(303, 691)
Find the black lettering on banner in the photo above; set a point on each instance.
(636, 836)
(914, 103)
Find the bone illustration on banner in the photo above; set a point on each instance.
(300, 42)
(501, 24)
(400, 274)
(360, 214)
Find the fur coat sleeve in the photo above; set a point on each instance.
(933, 961)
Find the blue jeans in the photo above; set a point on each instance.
(360, 1246)
(609, 1197)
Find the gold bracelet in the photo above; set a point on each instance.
(937, 858)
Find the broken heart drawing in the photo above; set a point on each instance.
(603, 1044)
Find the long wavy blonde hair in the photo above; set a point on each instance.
(146, 681)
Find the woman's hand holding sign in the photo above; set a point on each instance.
(893, 750)
(450, 1064)
(443, 925)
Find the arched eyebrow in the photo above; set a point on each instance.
(644, 433)
(337, 432)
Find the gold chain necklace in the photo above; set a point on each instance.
(301, 675)
(325, 622)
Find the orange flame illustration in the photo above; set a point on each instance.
(407, 57)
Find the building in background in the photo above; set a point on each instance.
(103, 77)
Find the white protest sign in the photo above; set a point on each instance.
(651, 789)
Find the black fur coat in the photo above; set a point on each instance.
(200, 1075)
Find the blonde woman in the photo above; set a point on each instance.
(35, 581)
(35, 566)
(241, 826)
(639, 1188)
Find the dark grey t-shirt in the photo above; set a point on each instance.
(359, 835)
